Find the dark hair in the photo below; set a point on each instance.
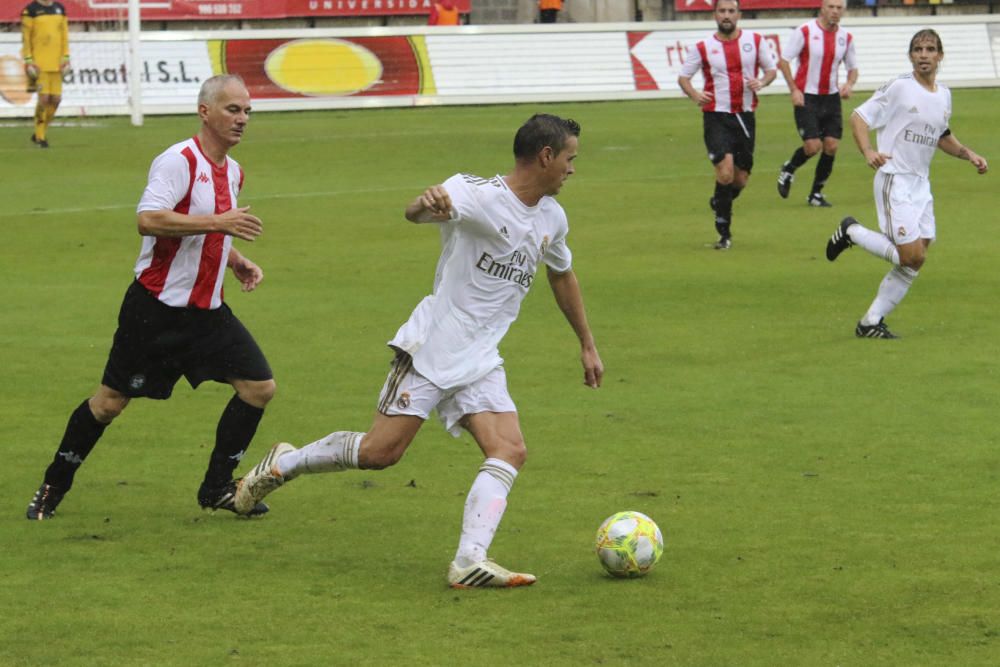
(543, 130)
(925, 34)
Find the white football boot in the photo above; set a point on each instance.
(261, 480)
(486, 574)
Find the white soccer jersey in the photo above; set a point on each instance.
(491, 249)
(727, 66)
(820, 53)
(909, 120)
(187, 271)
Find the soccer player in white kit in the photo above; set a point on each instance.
(820, 46)
(911, 115)
(495, 233)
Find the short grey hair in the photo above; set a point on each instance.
(212, 88)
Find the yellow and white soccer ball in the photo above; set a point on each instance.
(629, 544)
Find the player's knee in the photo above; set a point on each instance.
(912, 258)
(266, 391)
(811, 146)
(380, 459)
(517, 454)
(375, 454)
(257, 394)
(830, 146)
(106, 408)
(511, 450)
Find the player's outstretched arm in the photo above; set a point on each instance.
(862, 137)
(433, 205)
(234, 222)
(566, 289)
(952, 146)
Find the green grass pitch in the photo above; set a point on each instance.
(825, 500)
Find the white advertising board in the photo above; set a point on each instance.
(364, 67)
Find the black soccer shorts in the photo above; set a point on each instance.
(820, 117)
(156, 344)
(733, 134)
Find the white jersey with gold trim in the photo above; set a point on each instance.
(491, 249)
(909, 120)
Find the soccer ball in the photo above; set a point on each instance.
(629, 544)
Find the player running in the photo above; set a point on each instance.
(495, 233)
(911, 114)
(729, 61)
(821, 46)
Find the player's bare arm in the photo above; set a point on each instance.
(862, 137)
(699, 97)
(249, 274)
(234, 222)
(798, 98)
(566, 289)
(756, 85)
(433, 205)
(848, 87)
(952, 146)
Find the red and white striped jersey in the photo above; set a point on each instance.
(727, 66)
(820, 53)
(187, 271)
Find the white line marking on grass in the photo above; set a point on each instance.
(302, 195)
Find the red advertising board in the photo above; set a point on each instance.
(176, 10)
(745, 5)
(291, 68)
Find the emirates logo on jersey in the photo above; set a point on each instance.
(202, 178)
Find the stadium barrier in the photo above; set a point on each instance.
(420, 66)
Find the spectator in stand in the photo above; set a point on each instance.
(444, 12)
(549, 10)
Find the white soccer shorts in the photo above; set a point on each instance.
(407, 392)
(905, 207)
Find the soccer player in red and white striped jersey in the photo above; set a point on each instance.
(820, 46)
(173, 321)
(731, 60)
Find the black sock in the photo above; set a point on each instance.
(82, 433)
(236, 429)
(823, 170)
(736, 191)
(723, 208)
(799, 158)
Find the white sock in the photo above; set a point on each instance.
(892, 290)
(484, 508)
(874, 242)
(337, 451)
